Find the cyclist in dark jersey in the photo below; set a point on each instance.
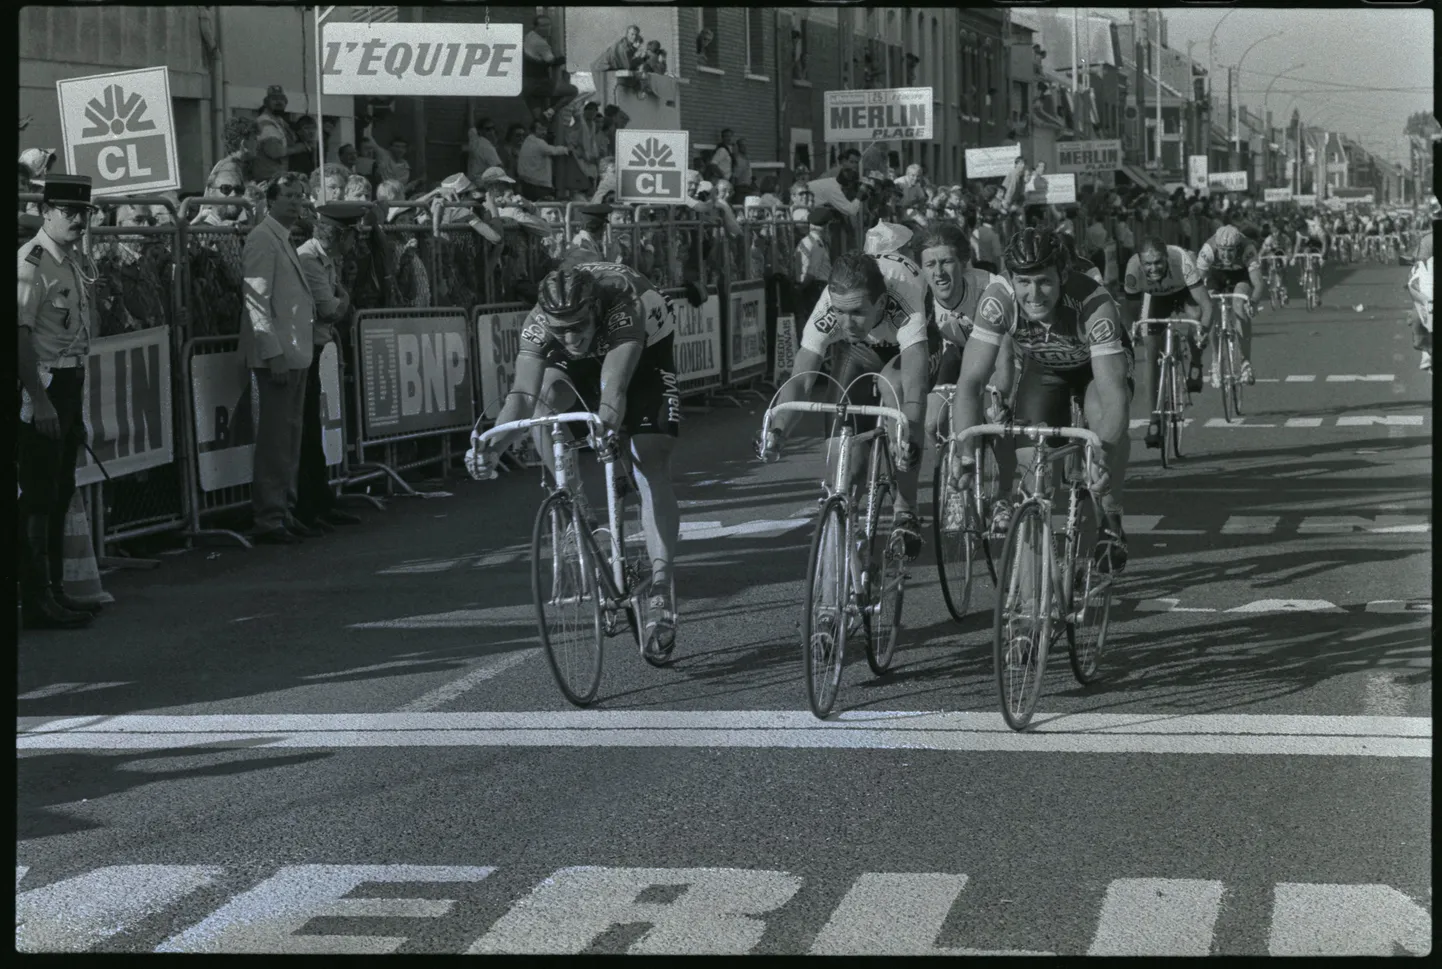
(602, 332)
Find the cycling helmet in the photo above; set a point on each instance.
(567, 298)
(1229, 237)
(1032, 249)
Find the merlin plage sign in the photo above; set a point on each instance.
(889, 114)
(120, 131)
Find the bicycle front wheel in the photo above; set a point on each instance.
(957, 529)
(885, 578)
(1090, 607)
(1166, 400)
(823, 625)
(1021, 633)
(1226, 373)
(1234, 368)
(568, 599)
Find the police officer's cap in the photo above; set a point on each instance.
(821, 215)
(68, 190)
(344, 214)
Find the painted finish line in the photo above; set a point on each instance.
(1096, 733)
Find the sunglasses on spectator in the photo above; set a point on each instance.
(230, 189)
(74, 211)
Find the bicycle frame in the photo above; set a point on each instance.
(614, 579)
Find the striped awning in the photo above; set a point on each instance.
(374, 15)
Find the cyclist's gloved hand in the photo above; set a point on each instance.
(997, 412)
(608, 448)
(910, 458)
(768, 447)
(1100, 482)
(481, 460)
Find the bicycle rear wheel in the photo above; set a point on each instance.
(1165, 401)
(823, 625)
(885, 578)
(1021, 633)
(957, 530)
(1089, 608)
(567, 593)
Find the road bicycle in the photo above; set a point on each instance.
(1387, 249)
(1276, 281)
(588, 582)
(856, 569)
(1173, 397)
(1311, 278)
(1227, 356)
(1341, 248)
(1040, 594)
(961, 519)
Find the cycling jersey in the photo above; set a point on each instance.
(629, 310)
(1084, 325)
(1424, 247)
(903, 314)
(1182, 274)
(956, 324)
(1208, 259)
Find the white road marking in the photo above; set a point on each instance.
(61, 689)
(1392, 606)
(1251, 524)
(1304, 378)
(1268, 380)
(1240, 422)
(753, 528)
(1158, 917)
(1303, 422)
(1348, 378)
(263, 615)
(1384, 524)
(1237, 734)
(373, 668)
(694, 525)
(1138, 422)
(1167, 605)
(1386, 420)
(458, 619)
(1383, 696)
(442, 695)
(100, 904)
(1324, 920)
(1288, 605)
(267, 918)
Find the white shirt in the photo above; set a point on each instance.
(827, 191)
(533, 161)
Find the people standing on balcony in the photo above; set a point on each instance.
(391, 163)
(655, 62)
(306, 137)
(276, 143)
(544, 88)
(721, 157)
(533, 164)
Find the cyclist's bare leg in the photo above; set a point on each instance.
(1118, 458)
(556, 398)
(1243, 318)
(908, 481)
(1149, 373)
(660, 512)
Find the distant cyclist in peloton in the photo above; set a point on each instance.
(1230, 264)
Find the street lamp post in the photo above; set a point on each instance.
(1266, 110)
(1236, 109)
(1212, 50)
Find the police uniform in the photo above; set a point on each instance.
(55, 303)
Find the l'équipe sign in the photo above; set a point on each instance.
(127, 405)
(473, 60)
(1088, 156)
(747, 328)
(698, 338)
(415, 372)
(888, 114)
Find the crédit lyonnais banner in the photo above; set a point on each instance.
(472, 60)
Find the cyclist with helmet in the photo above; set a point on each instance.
(1066, 329)
(1163, 282)
(874, 308)
(1230, 264)
(601, 330)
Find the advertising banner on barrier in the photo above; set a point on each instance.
(1276, 194)
(748, 327)
(1088, 156)
(415, 371)
(698, 338)
(332, 429)
(127, 405)
(227, 411)
(991, 162)
(1051, 190)
(498, 340)
(888, 114)
(470, 60)
(785, 348)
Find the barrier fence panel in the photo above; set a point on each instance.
(498, 340)
(415, 382)
(224, 407)
(698, 345)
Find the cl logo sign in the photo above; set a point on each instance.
(128, 159)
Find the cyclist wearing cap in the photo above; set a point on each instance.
(1229, 263)
(875, 309)
(602, 331)
(1162, 282)
(1065, 327)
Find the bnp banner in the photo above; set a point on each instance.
(747, 329)
(888, 114)
(127, 405)
(415, 372)
(498, 340)
(1088, 156)
(698, 338)
(414, 59)
(227, 411)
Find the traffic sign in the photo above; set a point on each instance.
(119, 130)
(651, 166)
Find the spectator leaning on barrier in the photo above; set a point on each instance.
(533, 164)
(320, 259)
(813, 260)
(655, 58)
(55, 318)
(277, 342)
(240, 147)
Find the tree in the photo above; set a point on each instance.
(1423, 124)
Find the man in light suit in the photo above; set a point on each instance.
(321, 257)
(277, 341)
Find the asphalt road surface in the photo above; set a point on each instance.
(356, 746)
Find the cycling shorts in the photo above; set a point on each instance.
(653, 400)
(1044, 396)
(1226, 280)
(1160, 306)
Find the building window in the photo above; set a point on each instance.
(755, 41)
(707, 44)
(799, 44)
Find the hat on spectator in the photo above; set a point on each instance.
(37, 161)
(459, 183)
(886, 237)
(495, 174)
(68, 190)
(343, 214)
(275, 91)
(821, 215)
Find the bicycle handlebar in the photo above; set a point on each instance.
(592, 421)
(816, 407)
(1231, 296)
(1085, 435)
